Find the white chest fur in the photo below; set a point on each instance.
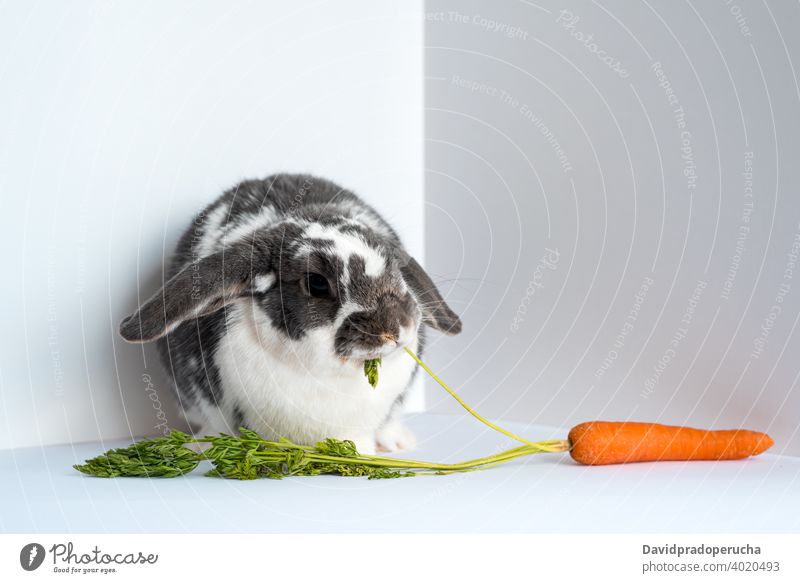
(298, 389)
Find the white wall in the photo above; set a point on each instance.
(118, 120)
(550, 131)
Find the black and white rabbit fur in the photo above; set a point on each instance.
(277, 294)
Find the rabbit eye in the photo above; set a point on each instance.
(318, 286)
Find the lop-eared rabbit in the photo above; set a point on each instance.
(277, 294)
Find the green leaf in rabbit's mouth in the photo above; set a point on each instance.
(371, 371)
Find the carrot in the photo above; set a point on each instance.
(605, 442)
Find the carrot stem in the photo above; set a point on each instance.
(553, 446)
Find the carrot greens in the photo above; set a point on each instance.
(371, 371)
(249, 456)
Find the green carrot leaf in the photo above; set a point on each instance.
(165, 457)
(371, 371)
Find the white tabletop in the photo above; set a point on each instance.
(40, 492)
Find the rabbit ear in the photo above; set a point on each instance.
(200, 288)
(435, 311)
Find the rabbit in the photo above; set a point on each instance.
(277, 294)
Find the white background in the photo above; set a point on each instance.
(120, 120)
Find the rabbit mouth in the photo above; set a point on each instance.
(360, 356)
(356, 363)
(373, 347)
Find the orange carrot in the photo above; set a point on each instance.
(605, 442)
